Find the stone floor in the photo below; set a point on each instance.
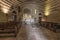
(32, 32)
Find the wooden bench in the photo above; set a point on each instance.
(52, 26)
(9, 28)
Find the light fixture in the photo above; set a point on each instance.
(47, 8)
(5, 10)
(4, 7)
(35, 11)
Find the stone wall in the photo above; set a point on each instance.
(2, 17)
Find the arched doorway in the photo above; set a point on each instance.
(27, 17)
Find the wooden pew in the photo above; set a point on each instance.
(51, 26)
(9, 28)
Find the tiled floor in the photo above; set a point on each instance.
(32, 32)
